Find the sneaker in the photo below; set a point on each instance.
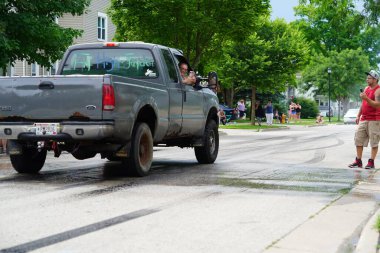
(370, 164)
(356, 164)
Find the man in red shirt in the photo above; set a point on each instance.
(368, 121)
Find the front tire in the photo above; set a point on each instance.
(141, 154)
(209, 152)
(30, 161)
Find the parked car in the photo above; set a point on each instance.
(350, 116)
(228, 111)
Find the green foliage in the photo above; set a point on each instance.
(267, 58)
(369, 40)
(192, 25)
(28, 30)
(309, 107)
(281, 107)
(372, 11)
(338, 28)
(347, 75)
(377, 224)
(330, 28)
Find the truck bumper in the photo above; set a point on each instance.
(68, 130)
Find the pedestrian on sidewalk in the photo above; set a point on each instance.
(241, 107)
(298, 112)
(368, 129)
(269, 113)
(259, 112)
(292, 112)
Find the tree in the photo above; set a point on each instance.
(372, 11)
(347, 77)
(28, 30)
(190, 25)
(370, 42)
(338, 28)
(267, 60)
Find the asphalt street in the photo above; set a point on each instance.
(263, 188)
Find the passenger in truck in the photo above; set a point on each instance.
(187, 77)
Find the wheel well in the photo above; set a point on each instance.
(147, 115)
(213, 115)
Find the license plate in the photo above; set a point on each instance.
(46, 128)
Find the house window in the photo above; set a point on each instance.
(34, 69)
(102, 26)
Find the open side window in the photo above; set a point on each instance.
(170, 65)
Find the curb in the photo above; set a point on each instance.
(225, 131)
(369, 237)
(273, 129)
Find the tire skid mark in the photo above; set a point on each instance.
(339, 143)
(106, 190)
(256, 141)
(91, 228)
(319, 155)
(73, 233)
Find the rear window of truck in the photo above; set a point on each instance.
(134, 63)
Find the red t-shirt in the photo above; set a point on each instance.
(370, 113)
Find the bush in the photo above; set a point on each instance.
(309, 107)
(281, 107)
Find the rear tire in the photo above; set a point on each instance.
(209, 152)
(141, 154)
(30, 161)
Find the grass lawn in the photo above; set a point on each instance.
(246, 124)
(377, 225)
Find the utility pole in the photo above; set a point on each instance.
(329, 73)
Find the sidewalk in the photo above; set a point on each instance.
(344, 226)
(369, 237)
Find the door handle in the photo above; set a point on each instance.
(46, 85)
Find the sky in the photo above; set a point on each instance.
(283, 9)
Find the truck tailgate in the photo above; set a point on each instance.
(52, 98)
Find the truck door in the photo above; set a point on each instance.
(193, 104)
(175, 94)
(192, 112)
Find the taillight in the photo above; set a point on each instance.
(108, 97)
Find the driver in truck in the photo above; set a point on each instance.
(187, 78)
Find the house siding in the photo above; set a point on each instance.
(76, 22)
(87, 22)
(18, 69)
(91, 21)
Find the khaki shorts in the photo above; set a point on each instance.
(367, 131)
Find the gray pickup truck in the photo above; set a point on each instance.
(114, 99)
